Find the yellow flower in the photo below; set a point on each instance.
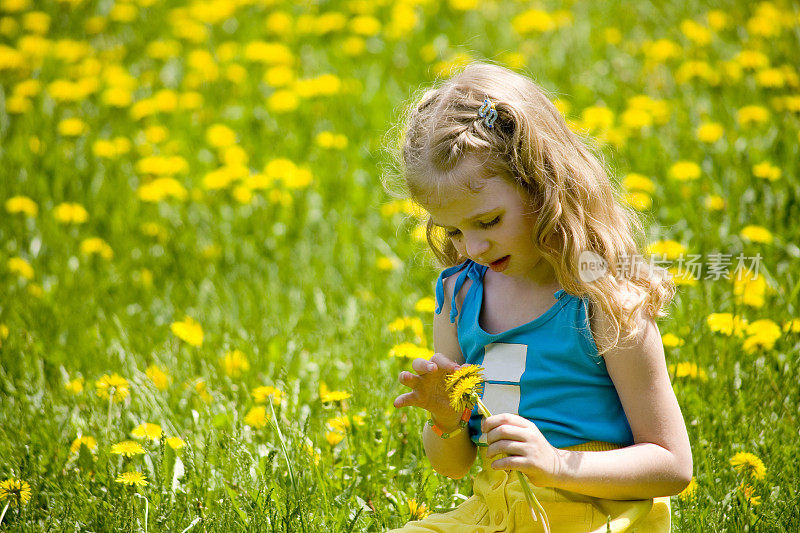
(747, 493)
(727, 324)
(672, 341)
(749, 464)
(87, 440)
(690, 370)
(689, 492)
(410, 351)
(176, 443)
(132, 478)
(328, 139)
(326, 395)
(710, 132)
(354, 46)
(189, 331)
(283, 101)
(161, 188)
(220, 136)
(463, 386)
(762, 334)
(74, 386)
(792, 326)
(597, 118)
(312, 453)
(533, 20)
(147, 430)
(22, 204)
(425, 305)
(670, 250)
(112, 386)
(682, 277)
(257, 417)
(339, 423)
(641, 201)
(264, 393)
(638, 182)
(128, 448)
(766, 171)
(70, 213)
(684, 171)
(752, 115)
(333, 437)
(16, 491)
(20, 267)
(72, 127)
(714, 202)
(365, 26)
(96, 245)
(158, 375)
(234, 363)
(758, 234)
(750, 290)
(417, 511)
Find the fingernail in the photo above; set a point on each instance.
(431, 366)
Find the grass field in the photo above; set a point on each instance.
(206, 295)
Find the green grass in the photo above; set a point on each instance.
(296, 286)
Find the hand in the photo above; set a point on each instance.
(524, 445)
(428, 389)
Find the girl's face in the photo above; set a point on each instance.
(491, 225)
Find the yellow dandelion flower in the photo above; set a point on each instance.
(670, 250)
(112, 386)
(767, 171)
(638, 182)
(283, 101)
(752, 115)
(749, 464)
(20, 267)
(176, 443)
(641, 201)
(16, 491)
(410, 351)
(326, 395)
(339, 423)
(688, 370)
(22, 204)
(264, 393)
(312, 453)
(417, 510)
(188, 331)
(463, 386)
(689, 492)
(128, 448)
(86, 440)
(762, 333)
(70, 213)
(147, 430)
(685, 171)
(425, 305)
(72, 127)
(727, 324)
(710, 132)
(74, 386)
(234, 363)
(220, 136)
(158, 375)
(792, 326)
(748, 494)
(256, 417)
(333, 437)
(132, 479)
(672, 341)
(96, 246)
(714, 202)
(757, 234)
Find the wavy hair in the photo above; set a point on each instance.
(577, 208)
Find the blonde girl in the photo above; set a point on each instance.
(545, 289)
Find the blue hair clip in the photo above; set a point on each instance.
(488, 113)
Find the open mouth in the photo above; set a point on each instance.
(500, 264)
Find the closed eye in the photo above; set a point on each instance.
(494, 221)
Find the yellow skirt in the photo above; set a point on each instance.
(498, 504)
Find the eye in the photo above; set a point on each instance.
(494, 221)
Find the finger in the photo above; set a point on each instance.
(409, 380)
(405, 400)
(444, 362)
(491, 422)
(512, 462)
(422, 366)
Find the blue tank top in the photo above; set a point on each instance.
(547, 370)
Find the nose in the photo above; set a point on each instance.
(476, 245)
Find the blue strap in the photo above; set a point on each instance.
(472, 271)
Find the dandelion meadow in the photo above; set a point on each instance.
(206, 293)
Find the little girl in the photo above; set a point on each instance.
(528, 223)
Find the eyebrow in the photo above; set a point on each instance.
(474, 217)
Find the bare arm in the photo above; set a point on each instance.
(660, 461)
(451, 457)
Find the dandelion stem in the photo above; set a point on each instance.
(533, 502)
(283, 446)
(108, 417)
(3, 514)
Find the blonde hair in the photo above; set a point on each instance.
(577, 208)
